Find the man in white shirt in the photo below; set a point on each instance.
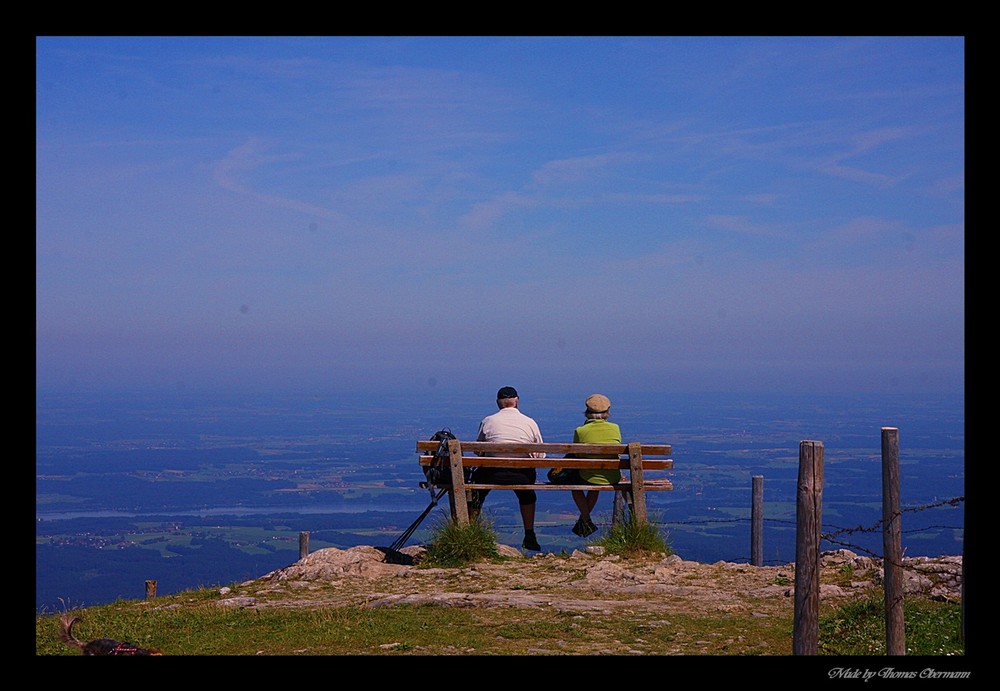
(510, 424)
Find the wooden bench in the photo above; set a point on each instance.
(633, 459)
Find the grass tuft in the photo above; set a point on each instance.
(634, 538)
(452, 544)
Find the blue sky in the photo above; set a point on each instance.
(689, 213)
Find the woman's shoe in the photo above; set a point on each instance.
(531, 542)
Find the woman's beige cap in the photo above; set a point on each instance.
(598, 403)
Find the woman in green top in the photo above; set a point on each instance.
(596, 430)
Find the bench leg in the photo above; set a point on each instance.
(623, 499)
(470, 512)
(474, 507)
(460, 513)
(618, 512)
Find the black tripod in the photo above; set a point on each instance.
(401, 540)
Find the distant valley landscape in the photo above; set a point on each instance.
(197, 491)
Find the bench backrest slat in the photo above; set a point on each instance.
(509, 448)
(553, 462)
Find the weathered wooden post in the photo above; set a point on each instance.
(892, 567)
(460, 498)
(808, 515)
(303, 544)
(618, 510)
(638, 487)
(150, 590)
(757, 521)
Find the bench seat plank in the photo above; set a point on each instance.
(621, 486)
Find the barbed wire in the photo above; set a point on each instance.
(830, 537)
(833, 537)
(877, 526)
(873, 528)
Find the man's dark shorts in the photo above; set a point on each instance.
(506, 476)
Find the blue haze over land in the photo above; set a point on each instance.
(342, 466)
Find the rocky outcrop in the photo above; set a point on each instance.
(588, 580)
(939, 578)
(332, 563)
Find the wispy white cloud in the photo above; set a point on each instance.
(743, 226)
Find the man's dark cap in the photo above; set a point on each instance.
(507, 392)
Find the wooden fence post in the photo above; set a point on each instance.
(150, 590)
(809, 514)
(757, 521)
(892, 567)
(303, 544)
